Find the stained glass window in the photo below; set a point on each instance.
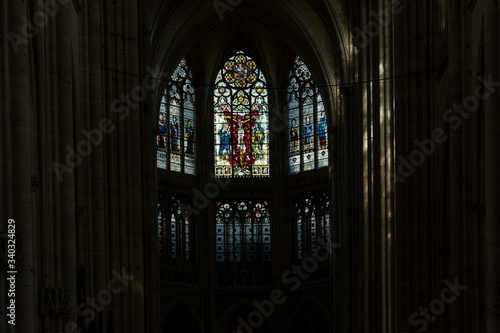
(241, 133)
(307, 138)
(174, 237)
(311, 215)
(176, 136)
(243, 231)
(243, 242)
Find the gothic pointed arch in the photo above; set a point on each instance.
(241, 132)
(181, 318)
(243, 316)
(308, 154)
(309, 316)
(176, 247)
(307, 123)
(176, 138)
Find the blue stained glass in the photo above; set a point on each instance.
(307, 123)
(243, 231)
(241, 133)
(176, 139)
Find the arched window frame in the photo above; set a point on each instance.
(307, 122)
(176, 138)
(176, 238)
(241, 119)
(243, 242)
(243, 228)
(309, 206)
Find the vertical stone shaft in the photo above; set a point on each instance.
(21, 171)
(65, 111)
(96, 269)
(492, 166)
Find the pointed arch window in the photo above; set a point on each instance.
(310, 213)
(243, 232)
(175, 238)
(307, 138)
(176, 138)
(241, 134)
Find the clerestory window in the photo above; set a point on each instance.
(308, 139)
(176, 137)
(241, 119)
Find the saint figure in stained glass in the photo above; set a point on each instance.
(308, 132)
(176, 136)
(162, 131)
(241, 120)
(307, 122)
(225, 138)
(322, 131)
(241, 128)
(257, 139)
(189, 137)
(294, 135)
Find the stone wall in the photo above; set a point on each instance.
(77, 198)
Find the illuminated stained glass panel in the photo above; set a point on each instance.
(243, 231)
(176, 138)
(307, 125)
(241, 134)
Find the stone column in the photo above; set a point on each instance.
(492, 167)
(20, 152)
(65, 225)
(95, 265)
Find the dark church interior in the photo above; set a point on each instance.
(240, 166)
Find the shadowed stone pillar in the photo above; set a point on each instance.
(65, 111)
(492, 167)
(20, 153)
(97, 253)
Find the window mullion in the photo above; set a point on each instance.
(301, 127)
(315, 122)
(167, 132)
(182, 124)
